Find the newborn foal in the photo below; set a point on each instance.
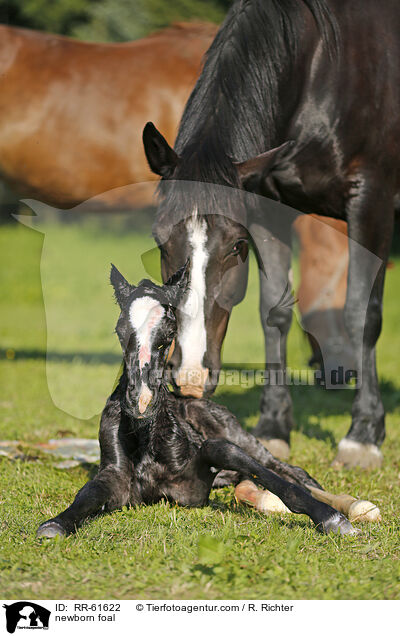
(155, 444)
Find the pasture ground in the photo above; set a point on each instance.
(223, 551)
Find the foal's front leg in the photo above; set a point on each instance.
(224, 455)
(110, 489)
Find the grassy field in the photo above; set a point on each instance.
(223, 551)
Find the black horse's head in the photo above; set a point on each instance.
(207, 224)
(146, 329)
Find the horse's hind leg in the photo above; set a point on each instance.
(233, 432)
(262, 500)
(370, 221)
(224, 455)
(265, 501)
(110, 489)
(354, 509)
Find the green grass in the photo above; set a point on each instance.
(163, 551)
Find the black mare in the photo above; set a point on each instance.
(298, 101)
(156, 445)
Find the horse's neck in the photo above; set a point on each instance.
(249, 114)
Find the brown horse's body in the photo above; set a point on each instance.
(71, 115)
(71, 112)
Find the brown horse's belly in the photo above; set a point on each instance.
(323, 266)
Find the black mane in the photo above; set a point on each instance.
(233, 113)
(256, 46)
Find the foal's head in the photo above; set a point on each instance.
(146, 330)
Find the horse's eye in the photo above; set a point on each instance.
(237, 248)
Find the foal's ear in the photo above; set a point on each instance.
(253, 171)
(177, 284)
(161, 157)
(122, 289)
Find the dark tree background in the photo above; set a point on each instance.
(107, 20)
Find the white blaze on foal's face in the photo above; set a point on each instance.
(145, 315)
(192, 337)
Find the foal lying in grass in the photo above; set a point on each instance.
(155, 444)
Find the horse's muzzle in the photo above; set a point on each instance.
(192, 383)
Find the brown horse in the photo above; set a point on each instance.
(71, 112)
(71, 115)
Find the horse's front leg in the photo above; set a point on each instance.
(370, 221)
(108, 490)
(111, 487)
(276, 304)
(224, 455)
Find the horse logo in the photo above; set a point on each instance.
(26, 615)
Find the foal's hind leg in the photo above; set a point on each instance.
(264, 501)
(230, 429)
(221, 454)
(354, 509)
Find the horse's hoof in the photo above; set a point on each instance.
(278, 447)
(362, 510)
(337, 524)
(351, 454)
(50, 530)
(270, 503)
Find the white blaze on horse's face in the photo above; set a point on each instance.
(192, 335)
(145, 315)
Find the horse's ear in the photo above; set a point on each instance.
(253, 171)
(122, 289)
(161, 157)
(177, 284)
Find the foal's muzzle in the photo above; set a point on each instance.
(141, 400)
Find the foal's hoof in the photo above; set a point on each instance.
(278, 447)
(337, 524)
(362, 510)
(50, 530)
(351, 454)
